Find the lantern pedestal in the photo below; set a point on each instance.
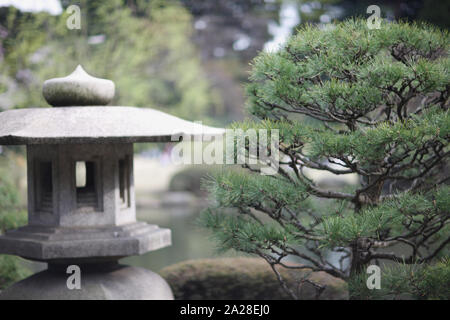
(99, 281)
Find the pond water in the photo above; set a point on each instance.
(189, 241)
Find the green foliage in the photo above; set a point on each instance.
(231, 188)
(349, 68)
(148, 54)
(348, 100)
(11, 268)
(10, 216)
(365, 145)
(407, 209)
(404, 281)
(242, 234)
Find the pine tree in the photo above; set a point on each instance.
(348, 100)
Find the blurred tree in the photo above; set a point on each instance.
(144, 47)
(11, 216)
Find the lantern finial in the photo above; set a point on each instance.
(78, 89)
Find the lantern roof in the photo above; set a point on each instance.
(80, 116)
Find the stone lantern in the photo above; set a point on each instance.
(81, 200)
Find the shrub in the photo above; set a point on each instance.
(346, 100)
(243, 279)
(11, 268)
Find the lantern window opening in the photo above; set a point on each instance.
(44, 186)
(86, 184)
(124, 182)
